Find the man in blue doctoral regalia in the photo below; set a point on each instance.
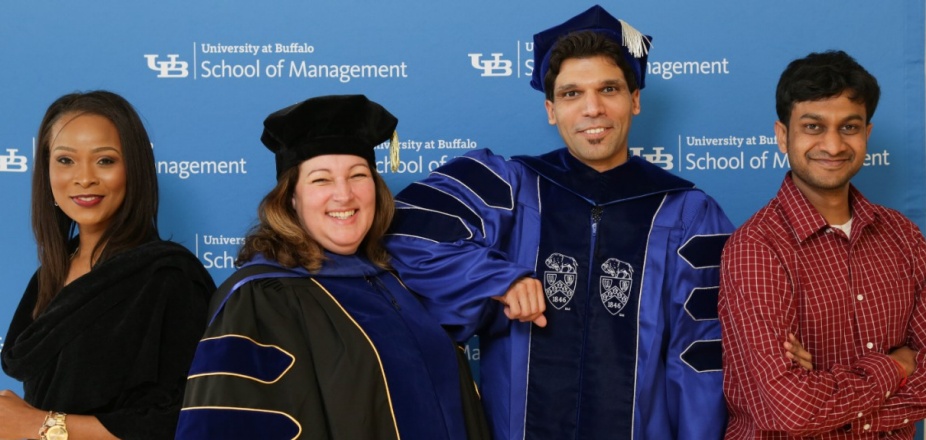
(590, 276)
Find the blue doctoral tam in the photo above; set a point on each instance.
(635, 45)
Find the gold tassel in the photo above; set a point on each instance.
(394, 151)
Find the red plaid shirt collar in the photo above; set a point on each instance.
(807, 221)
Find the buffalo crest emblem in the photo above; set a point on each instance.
(615, 289)
(559, 283)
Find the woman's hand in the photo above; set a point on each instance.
(18, 419)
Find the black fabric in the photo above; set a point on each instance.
(117, 342)
(310, 327)
(477, 426)
(335, 124)
(331, 356)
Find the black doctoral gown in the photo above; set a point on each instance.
(346, 353)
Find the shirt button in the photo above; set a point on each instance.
(906, 421)
(867, 427)
(887, 394)
(860, 297)
(859, 415)
(870, 345)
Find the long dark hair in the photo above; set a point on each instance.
(134, 223)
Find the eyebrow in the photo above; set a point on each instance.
(328, 170)
(605, 83)
(818, 117)
(95, 150)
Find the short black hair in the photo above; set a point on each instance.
(825, 75)
(586, 44)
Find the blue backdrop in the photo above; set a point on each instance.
(204, 74)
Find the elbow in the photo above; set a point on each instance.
(789, 417)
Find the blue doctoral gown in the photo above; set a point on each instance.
(629, 263)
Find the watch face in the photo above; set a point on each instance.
(56, 433)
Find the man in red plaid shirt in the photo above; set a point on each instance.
(822, 303)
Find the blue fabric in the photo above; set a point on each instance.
(240, 356)
(447, 223)
(418, 359)
(244, 423)
(609, 364)
(420, 364)
(482, 181)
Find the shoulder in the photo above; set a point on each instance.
(760, 230)
(163, 255)
(152, 255)
(164, 268)
(894, 218)
(478, 166)
(475, 169)
(280, 286)
(897, 225)
(658, 174)
(261, 285)
(695, 199)
(483, 157)
(166, 253)
(452, 195)
(694, 210)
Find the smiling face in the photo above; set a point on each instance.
(592, 108)
(335, 200)
(86, 170)
(825, 141)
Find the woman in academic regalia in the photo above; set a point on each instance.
(106, 330)
(314, 337)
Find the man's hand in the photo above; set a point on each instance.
(525, 301)
(906, 356)
(795, 351)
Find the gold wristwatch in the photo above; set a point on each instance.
(55, 427)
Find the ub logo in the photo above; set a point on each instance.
(559, 284)
(657, 157)
(172, 68)
(13, 162)
(492, 67)
(615, 289)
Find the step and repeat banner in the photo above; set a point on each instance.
(204, 74)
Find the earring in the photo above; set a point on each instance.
(56, 203)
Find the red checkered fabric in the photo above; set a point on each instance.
(848, 300)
